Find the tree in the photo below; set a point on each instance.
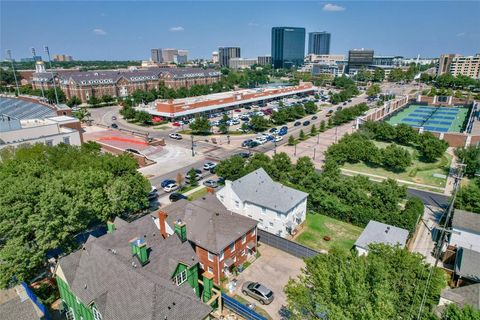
(431, 148)
(373, 90)
(378, 75)
(244, 127)
(330, 122)
(468, 198)
(313, 130)
(301, 135)
(396, 75)
(471, 158)
(51, 194)
(128, 113)
(454, 312)
(258, 123)
(223, 126)
(291, 141)
(396, 158)
(192, 177)
(381, 285)
(322, 126)
(83, 114)
(310, 107)
(404, 134)
(200, 126)
(231, 168)
(143, 117)
(107, 98)
(93, 101)
(74, 101)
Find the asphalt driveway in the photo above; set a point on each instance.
(272, 269)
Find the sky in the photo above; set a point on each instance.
(123, 30)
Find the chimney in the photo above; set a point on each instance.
(181, 230)
(162, 216)
(139, 249)
(110, 227)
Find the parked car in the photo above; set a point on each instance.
(238, 110)
(209, 165)
(258, 292)
(339, 108)
(176, 124)
(175, 136)
(246, 143)
(153, 193)
(283, 131)
(297, 123)
(221, 180)
(314, 118)
(114, 125)
(132, 151)
(253, 144)
(171, 187)
(306, 123)
(344, 103)
(166, 182)
(210, 183)
(114, 118)
(278, 138)
(198, 174)
(176, 196)
(273, 130)
(243, 154)
(248, 107)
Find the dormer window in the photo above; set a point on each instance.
(96, 314)
(181, 277)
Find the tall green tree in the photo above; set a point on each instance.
(200, 125)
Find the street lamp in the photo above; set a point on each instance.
(9, 55)
(47, 51)
(228, 138)
(193, 145)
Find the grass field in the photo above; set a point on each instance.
(418, 172)
(343, 235)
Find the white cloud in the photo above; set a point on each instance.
(99, 32)
(177, 29)
(253, 24)
(333, 7)
(461, 34)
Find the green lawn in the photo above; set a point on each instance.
(197, 194)
(418, 172)
(343, 235)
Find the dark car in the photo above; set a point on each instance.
(314, 118)
(258, 292)
(273, 130)
(243, 154)
(248, 107)
(306, 123)
(344, 103)
(176, 196)
(114, 125)
(132, 151)
(166, 182)
(253, 144)
(246, 143)
(339, 108)
(210, 183)
(296, 124)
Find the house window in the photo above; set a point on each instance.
(244, 238)
(221, 256)
(181, 277)
(210, 256)
(237, 204)
(264, 210)
(96, 315)
(66, 140)
(210, 269)
(232, 247)
(70, 315)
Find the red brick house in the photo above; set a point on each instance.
(222, 240)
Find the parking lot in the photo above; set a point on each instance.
(273, 269)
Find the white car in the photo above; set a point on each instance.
(261, 140)
(278, 138)
(209, 165)
(171, 187)
(175, 136)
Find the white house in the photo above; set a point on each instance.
(277, 208)
(465, 230)
(377, 232)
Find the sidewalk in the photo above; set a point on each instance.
(451, 174)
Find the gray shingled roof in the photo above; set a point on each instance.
(463, 295)
(377, 232)
(105, 274)
(467, 264)
(466, 220)
(14, 307)
(258, 188)
(209, 224)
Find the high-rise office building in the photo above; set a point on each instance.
(168, 55)
(444, 63)
(457, 65)
(181, 57)
(288, 47)
(62, 57)
(359, 59)
(226, 53)
(319, 43)
(156, 55)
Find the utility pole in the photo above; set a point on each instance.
(274, 147)
(9, 55)
(314, 152)
(47, 51)
(318, 138)
(193, 146)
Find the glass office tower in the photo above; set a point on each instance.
(288, 47)
(319, 43)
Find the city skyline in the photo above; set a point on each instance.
(108, 39)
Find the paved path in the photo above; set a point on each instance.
(423, 241)
(451, 173)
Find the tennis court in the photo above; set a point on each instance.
(440, 119)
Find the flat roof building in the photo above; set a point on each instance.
(241, 63)
(264, 60)
(193, 106)
(319, 42)
(377, 232)
(288, 47)
(358, 59)
(156, 55)
(466, 66)
(227, 53)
